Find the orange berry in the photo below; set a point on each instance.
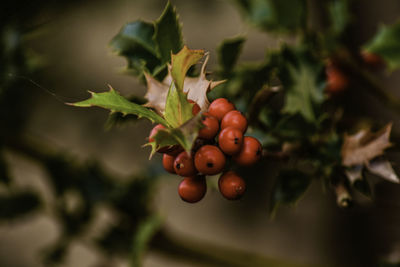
(196, 108)
(211, 127)
(192, 189)
(234, 118)
(231, 186)
(183, 165)
(168, 163)
(209, 160)
(219, 107)
(230, 140)
(250, 152)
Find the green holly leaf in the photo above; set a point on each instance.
(135, 43)
(303, 92)
(168, 33)
(289, 187)
(275, 15)
(113, 101)
(177, 109)
(228, 53)
(185, 135)
(181, 62)
(386, 44)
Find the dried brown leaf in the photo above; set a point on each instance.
(362, 147)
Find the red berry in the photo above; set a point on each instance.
(211, 127)
(168, 163)
(250, 152)
(196, 108)
(183, 165)
(231, 185)
(336, 80)
(371, 59)
(192, 189)
(219, 107)
(230, 140)
(234, 118)
(209, 160)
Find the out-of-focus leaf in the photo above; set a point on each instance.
(228, 53)
(289, 187)
(339, 15)
(56, 253)
(146, 230)
(386, 44)
(135, 42)
(302, 92)
(168, 34)
(18, 204)
(275, 15)
(363, 146)
(354, 173)
(383, 168)
(116, 103)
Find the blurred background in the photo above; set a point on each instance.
(53, 52)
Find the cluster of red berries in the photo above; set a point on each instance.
(221, 138)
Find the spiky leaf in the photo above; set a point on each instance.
(386, 44)
(168, 35)
(113, 101)
(177, 109)
(228, 53)
(135, 43)
(181, 62)
(275, 15)
(303, 92)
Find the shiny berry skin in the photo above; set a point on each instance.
(337, 81)
(230, 140)
(192, 189)
(183, 165)
(250, 152)
(211, 127)
(219, 107)
(231, 185)
(196, 108)
(234, 118)
(168, 163)
(209, 160)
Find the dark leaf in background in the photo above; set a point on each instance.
(18, 204)
(168, 34)
(135, 42)
(275, 15)
(56, 253)
(228, 54)
(386, 43)
(303, 82)
(339, 16)
(289, 187)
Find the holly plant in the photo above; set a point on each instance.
(295, 100)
